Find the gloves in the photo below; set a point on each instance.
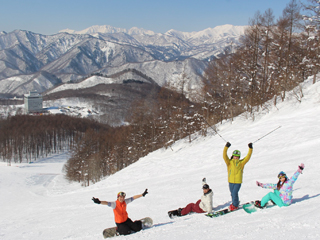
(96, 200)
(259, 184)
(228, 144)
(204, 180)
(301, 167)
(250, 145)
(145, 192)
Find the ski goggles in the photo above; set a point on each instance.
(282, 174)
(121, 194)
(236, 153)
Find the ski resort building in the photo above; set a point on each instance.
(33, 102)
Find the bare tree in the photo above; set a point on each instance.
(312, 38)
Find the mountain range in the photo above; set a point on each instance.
(32, 61)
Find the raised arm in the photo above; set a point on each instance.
(104, 202)
(141, 195)
(297, 173)
(247, 158)
(97, 201)
(225, 156)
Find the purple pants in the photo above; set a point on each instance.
(192, 207)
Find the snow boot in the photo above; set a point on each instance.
(179, 211)
(173, 213)
(258, 204)
(232, 207)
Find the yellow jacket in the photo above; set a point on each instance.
(235, 167)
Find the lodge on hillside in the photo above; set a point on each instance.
(33, 102)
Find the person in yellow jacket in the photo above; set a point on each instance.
(235, 167)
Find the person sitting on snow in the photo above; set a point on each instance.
(282, 194)
(124, 224)
(201, 206)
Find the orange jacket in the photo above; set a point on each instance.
(120, 212)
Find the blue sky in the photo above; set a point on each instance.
(50, 16)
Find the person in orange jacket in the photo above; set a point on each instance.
(235, 167)
(124, 224)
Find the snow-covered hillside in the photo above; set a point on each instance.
(38, 203)
(89, 82)
(40, 62)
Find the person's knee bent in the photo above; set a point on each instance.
(136, 226)
(124, 229)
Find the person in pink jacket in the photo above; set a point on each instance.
(282, 194)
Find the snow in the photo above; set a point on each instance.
(216, 31)
(89, 82)
(143, 50)
(108, 29)
(11, 83)
(71, 107)
(38, 203)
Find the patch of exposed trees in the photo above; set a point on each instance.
(273, 58)
(28, 138)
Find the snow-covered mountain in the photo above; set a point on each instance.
(38, 203)
(30, 61)
(109, 29)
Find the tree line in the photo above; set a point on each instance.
(27, 137)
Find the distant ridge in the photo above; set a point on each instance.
(109, 29)
(218, 30)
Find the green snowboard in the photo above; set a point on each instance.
(223, 211)
(251, 208)
(112, 232)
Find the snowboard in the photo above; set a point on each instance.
(112, 232)
(223, 211)
(220, 212)
(251, 208)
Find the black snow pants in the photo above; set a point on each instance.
(128, 226)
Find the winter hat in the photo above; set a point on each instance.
(236, 153)
(205, 186)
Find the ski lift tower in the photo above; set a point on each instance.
(33, 102)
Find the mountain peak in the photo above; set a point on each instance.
(109, 29)
(218, 30)
(209, 33)
(135, 30)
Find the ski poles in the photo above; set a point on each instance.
(253, 142)
(266, 134)
(213, 129)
